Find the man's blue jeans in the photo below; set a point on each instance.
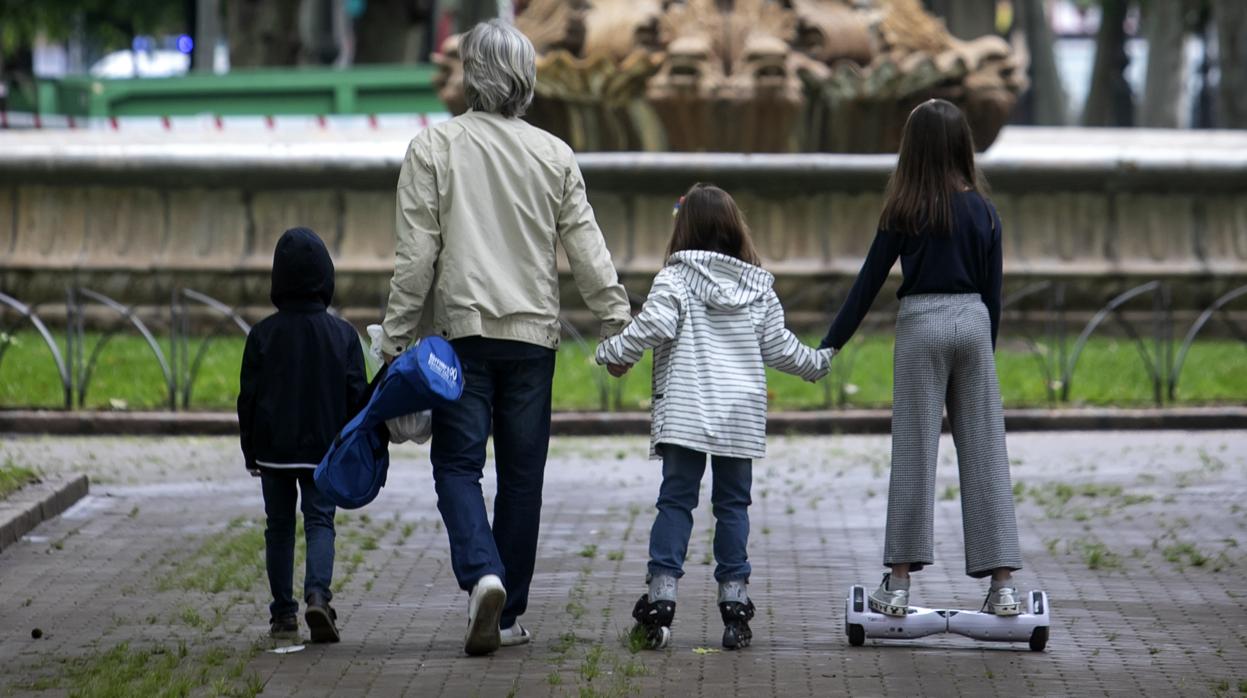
(281, 495)
(682, 469)
(507, 387)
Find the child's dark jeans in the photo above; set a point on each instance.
(682, 469)
(281, 494)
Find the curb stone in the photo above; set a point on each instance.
(101, 423)
(34, 504)
(87, 423)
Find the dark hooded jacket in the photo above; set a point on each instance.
(302, 369)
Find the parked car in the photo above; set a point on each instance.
(142, 64)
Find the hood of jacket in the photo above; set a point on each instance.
(302, 272)
(720, 281)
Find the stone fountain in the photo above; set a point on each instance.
(1088, 214)
(749, 76)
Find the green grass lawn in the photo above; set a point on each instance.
(1109, 373)
(15, 477)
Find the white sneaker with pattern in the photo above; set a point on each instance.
(515, 635)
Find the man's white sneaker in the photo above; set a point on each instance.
(484, 612)
(515, 635)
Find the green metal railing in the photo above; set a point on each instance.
(1058, 366)
(390, 89)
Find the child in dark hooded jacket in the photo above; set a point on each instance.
(302, 380)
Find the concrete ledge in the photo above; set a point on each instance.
(34, 504)
(1023, 157)
(88, 423)
(1117, 419)
(1067, 419)
(637, 423)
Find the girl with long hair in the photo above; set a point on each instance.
(947, 235)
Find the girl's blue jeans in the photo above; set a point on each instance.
(682, 469)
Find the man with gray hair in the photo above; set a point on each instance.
(483, 201)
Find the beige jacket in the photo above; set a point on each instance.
(483, 202)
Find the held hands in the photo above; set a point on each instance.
(618, 370)
(824, 358)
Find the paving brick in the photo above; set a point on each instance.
(1135, 575)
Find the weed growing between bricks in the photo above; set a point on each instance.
(1221, 688)
(1082, 502)
(13, 477)
(226, 561)
(224, 593)
(594, 668)
(156, 670)
(181, 668)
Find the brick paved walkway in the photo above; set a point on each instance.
(1140, 540)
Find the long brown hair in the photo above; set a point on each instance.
(936, 161)
(708, 219)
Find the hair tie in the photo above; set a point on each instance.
(676, 211)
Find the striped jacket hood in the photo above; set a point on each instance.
(720, 281)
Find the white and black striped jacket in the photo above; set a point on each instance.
(714, 323)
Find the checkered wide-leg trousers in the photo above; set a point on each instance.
(943, 357)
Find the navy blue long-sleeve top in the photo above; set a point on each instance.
(969, 260)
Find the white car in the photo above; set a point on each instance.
(142, 64)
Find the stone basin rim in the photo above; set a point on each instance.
(218, 164)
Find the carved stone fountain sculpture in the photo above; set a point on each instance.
(749, 75)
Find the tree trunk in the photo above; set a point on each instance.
(966, 19)
(1230, 19)
(1204, 106)
(344, 33)
(391, 31)
(207, 30)
(1110, 102)
(1166, 65)
(319, 42)
(263, 33)
(472, 12)
(17, 68)
(1045, 102)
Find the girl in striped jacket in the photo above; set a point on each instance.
(715, 324)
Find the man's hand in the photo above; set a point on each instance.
(618, 370)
